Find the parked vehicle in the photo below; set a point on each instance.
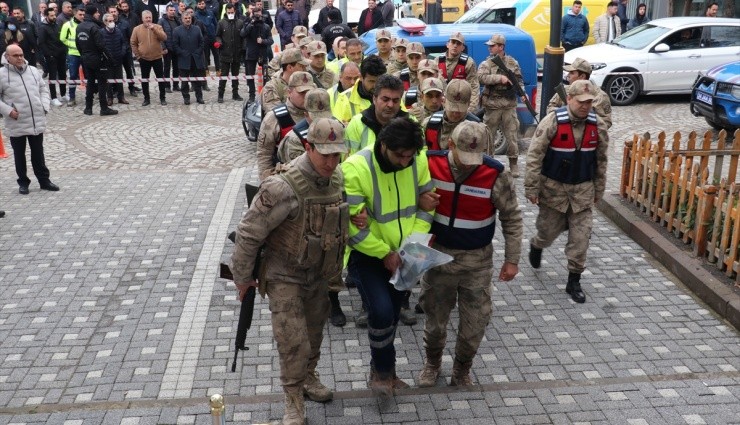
(660, 57)
(452, 10)
(716, 96)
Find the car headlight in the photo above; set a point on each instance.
(729, 88)
(736, 91)
(598, 65)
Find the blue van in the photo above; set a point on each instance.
(519, 44)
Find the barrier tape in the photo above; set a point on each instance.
(162, 80)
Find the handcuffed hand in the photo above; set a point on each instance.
(360, 219)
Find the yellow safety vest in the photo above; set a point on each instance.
(67, 36)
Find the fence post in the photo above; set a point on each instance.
(624, 185)
(707, 198)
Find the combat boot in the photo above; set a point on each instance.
(535, 256)
(314, 389)
(337, 317)
(397, 383)
(429, 375)
(514, 167)
(461, 374)
(295, 409)
(380, 384)
(574, 288)
(407, 317)
(361, 319)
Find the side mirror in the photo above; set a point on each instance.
(661, 48)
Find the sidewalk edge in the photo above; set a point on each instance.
(690, 270)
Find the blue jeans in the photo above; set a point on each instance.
(383, 303)
(73, 65)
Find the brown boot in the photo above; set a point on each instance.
(429, 375)
(314, 389)
(461, 374)
(295, 409)
(397, 383)
(380, 384)
(514, 167)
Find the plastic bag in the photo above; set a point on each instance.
(417, 258)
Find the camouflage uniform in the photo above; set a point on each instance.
(602, 106)
(323, 79)
(420, 112)
(447, 128)
(500, 101)
(395, 66)
(466, 281)
(269, 137)
(565, 206)
(273, 93)
(301, 219)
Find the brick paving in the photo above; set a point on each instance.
(112, 312)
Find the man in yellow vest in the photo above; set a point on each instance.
(359, 97)
(67, 35)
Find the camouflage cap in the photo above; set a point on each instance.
(428, 65)
(415, 48)
(496, 39)
(292, 56)
(301, 81)
(304, 42)
(290, 46)
(300, 31)
(327, 135)
(470, 142)
(457, 96)
(401, 42)
(432, 84)
(458, 36)
(582, 90)
(317, 104)
(382, 33)
(579, 65)
(317, 47)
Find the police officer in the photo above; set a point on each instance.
(472, 188)
(566, 176)
(323, 77)
(316, 103)
(95, 60)
(457, 65)
(580, 69)
(414, 54)
(275, 91)
(438, 127)
(399, 60)
(385, 178)
(499, 98)
(300, 217)
(432, 97)
(280, 120)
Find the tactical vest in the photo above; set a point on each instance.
(406, 78)
(458, 72)
(465, 217)
(564, 161)
(301, 130)
(286, 123)
(314, 241)
(411, 97)
(433, 132)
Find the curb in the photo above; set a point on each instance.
(689, 269)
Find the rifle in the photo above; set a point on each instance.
(515, 82)
(560, 90)
(247, 307)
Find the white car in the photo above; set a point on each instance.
(660, 57)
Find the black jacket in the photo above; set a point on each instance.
(323, 20)
(334, 30)
(250, 32)
(116, 44)
(152, 7)
(169, 29)
(90, 43)
(188, 43)
(227, 33)
(49, 42)
(377, 21)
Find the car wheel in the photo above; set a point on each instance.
(499, 143)
(713, 124)
(623, 89)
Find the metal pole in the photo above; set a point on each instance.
(343, 9)
(552, 71)
(217, 409)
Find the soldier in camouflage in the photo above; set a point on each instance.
(472, 188)
(500, 100)
(580, 69)
(438, 127)
(274, 67)
(566, 176)
(398, 62)
(457, 65)
(414, 54)
(300, 217)
(280, 120)
(275, 91)
(431, 99)
(323, 76)
(384, 44)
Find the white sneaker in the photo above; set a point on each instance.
(65, 98)
(56, 102)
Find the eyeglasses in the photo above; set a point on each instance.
(18, 55)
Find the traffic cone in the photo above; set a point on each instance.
(258, 77)
(82, 78)
(3, 154)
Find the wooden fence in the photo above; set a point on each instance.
(680, 188)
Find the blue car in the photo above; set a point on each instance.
(519, 44)
(716, 96)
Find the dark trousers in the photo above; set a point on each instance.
(56, 66)
(197, 85)
(146, 68)
(128, 66)
(170, 63)
(250, 68)
(383, 303)
(569, 46)
(36, 143)
(97, 82)
(115, 71)
(209, 50)
(226, 68)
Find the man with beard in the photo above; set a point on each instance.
(359, 97)
(55, 54)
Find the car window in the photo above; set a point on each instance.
(640, 37)
(687, 38)
(721, 36)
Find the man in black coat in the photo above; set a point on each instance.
(150, 5)
(370, 18)
(116, 44)
(188, 43)
(169, 22)
(325, 18)
(55, 54)
(335, 29)
(28, 29)
(126, 21)
(257, 35)
(229, 43)
(95, 60)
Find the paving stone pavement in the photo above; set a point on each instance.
(112, 313)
